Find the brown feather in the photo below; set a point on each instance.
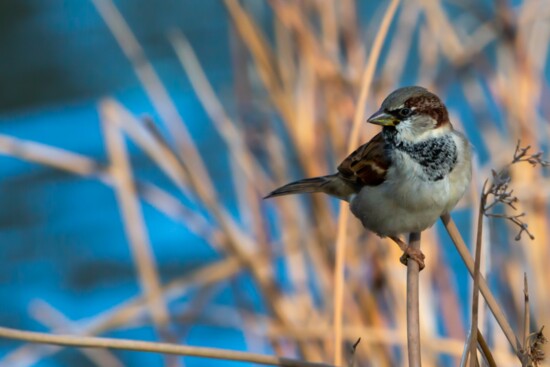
(367, 165)
(332, 185)
(430, 104)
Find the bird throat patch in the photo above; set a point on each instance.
(437, 156)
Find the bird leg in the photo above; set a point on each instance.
(409, 253)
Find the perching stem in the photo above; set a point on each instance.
(413, 318)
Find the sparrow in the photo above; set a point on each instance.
(401, 181)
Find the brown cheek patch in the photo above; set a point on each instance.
(429, 105)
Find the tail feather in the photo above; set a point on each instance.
(331, 185)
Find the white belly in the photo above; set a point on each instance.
(406, 202)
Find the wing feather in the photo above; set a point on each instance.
(368, 164)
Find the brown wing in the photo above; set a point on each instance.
(367, 165)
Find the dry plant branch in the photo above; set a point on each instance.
(526, 316)
(81, 165)
(366, 81)
(532, 351)
(143, 346)
(153, 86)
(56, 320)
(526, 311)
(462, 249)
(263, 57)
(413, 310)
(501, 193)
(134, 223)
(49, 156)
(238, 243)
(253, 170)
(472, 347)
(128, 311)
(352, 359)
(484, 348)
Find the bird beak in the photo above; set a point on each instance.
(382, 118)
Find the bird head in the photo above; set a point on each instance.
(413, 113)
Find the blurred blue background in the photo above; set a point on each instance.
(58, 58)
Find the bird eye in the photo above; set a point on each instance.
(404, 112)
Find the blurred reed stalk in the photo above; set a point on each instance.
(341, 237)
(164, 348)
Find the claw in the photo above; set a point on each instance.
(415, 255)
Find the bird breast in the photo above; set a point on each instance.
(410, 199)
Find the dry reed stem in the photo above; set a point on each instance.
(224, 316)
(271, 77)
(130, 309)
(78, 164)
(441, 27)
(401, 45)
(379, 336)
(54, 319)
(49, 156)
(483, 287)
(187, 151)
(160, 153)
(239, 243)
(338, 315)
(329, 25)
(472, 347)
(143, 346)
(127, 311)
(526, 312)
(252, 169)
(354, 47)
(413, 310)
(29, 354)
(134, 223)
(261, 53)
(370, 69)
(293, 220)
(188, 154)
(156, 92)
(291, 15)
(343, 213)
(486, 351)
(263, 57)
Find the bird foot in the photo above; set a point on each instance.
(415, 255)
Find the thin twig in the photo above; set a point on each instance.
(526, 313)
(134, 223)
(56, 320)
(413, 317)
(234, 139)
(485, 350)
(143, 346)
(477, 263)
(78, 164)
(353, 360)
(526, 317)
